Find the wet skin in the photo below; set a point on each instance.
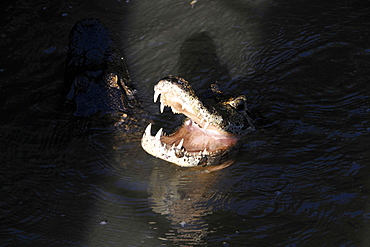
(96, 76)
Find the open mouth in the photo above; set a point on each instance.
(198, 139)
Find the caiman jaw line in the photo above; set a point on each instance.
(199, 138)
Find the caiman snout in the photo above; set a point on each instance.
(207, 133)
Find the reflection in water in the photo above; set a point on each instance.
(180, 198)
(185, 196)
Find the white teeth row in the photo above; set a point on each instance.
(179, 146)
(162, 105)
(148, 132)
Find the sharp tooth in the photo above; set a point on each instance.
(159, 134)
(148, 129)
(205, 151)
(156, 95)
(206, 125)
(161, 107)
(201, 121)
(180, 144)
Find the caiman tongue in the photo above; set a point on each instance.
(199, 136)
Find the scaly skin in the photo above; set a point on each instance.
(96, 76)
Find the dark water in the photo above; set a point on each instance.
(302, 179)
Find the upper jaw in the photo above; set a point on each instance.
(182, 99)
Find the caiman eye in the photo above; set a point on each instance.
(239, 103)
(112, 80)
(240, 106)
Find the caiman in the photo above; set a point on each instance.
(96, 77)
(209, 132)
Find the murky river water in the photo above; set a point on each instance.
(302, 179)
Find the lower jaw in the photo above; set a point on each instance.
(153, 145)
(171, 148)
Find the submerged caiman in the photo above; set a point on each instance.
(209, 131)
(97, 81)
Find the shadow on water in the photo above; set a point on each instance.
(199, 63)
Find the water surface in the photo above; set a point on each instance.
(300, 180)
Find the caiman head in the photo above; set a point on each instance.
(97, 79)
(209, 131)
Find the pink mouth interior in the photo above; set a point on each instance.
(198, 139)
